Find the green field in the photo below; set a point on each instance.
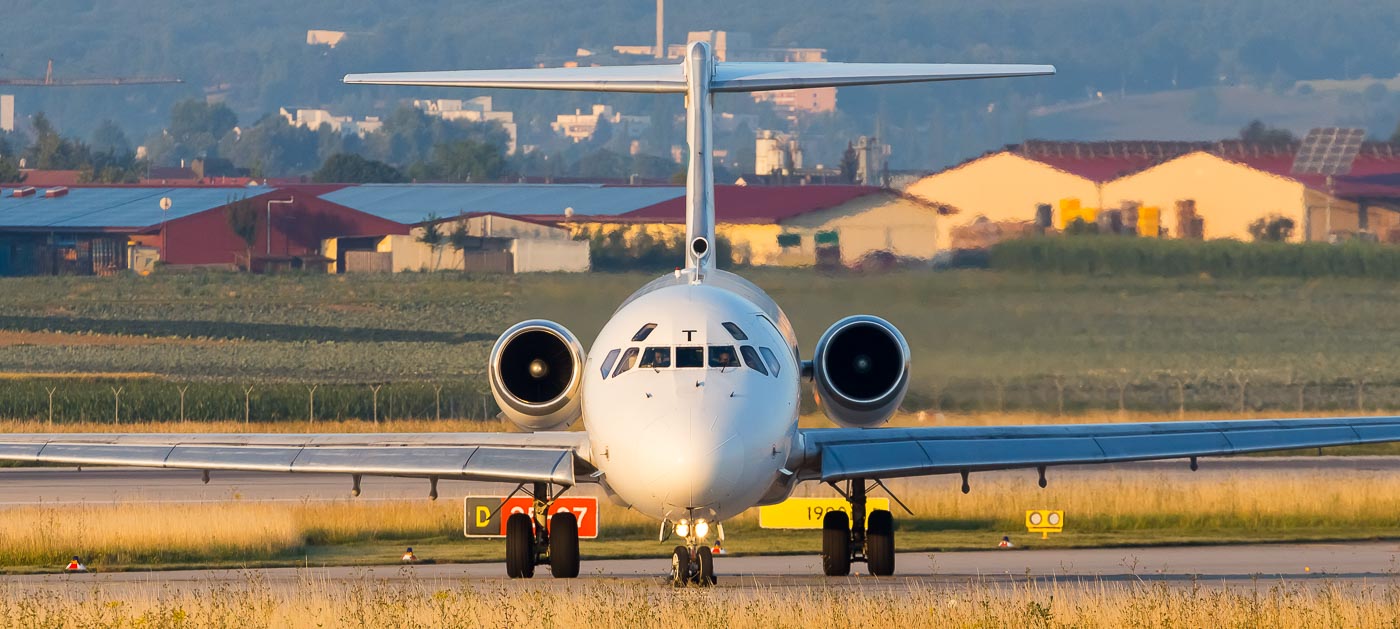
(985, 341)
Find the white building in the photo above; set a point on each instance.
(776, 154)
(579, 126)
(314, 118)
(479, 109)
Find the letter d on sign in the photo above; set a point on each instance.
(481, 516)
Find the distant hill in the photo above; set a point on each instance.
(253, 54)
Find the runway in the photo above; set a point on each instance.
(1246, 564)
(1237, 564)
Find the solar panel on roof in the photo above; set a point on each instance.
(1328, 151)
(98, 208)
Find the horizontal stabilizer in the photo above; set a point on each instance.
(729, 77)
(647, 78)
(757, 77)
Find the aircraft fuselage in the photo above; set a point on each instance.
(690, 398)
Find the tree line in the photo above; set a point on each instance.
(411, 146)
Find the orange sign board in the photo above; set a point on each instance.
(485, 516)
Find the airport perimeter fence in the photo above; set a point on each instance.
(74, 400)
(1241, 392)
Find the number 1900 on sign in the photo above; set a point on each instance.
(807, 513)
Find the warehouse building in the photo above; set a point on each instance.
(490, 243)
(513, 227)
(503, 228)
(544, 227)
(1220, 187)
(798, 225)
(1006, 186)
(105, 229)
(1235, 184)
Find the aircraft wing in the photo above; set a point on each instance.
(553, 457)
(834, 454)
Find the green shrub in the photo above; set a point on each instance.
(1217, 258)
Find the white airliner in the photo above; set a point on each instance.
(689, 396)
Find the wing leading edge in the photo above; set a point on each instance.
(557, 458)
(840, 454)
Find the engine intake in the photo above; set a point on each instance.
(861, 371)
(536, 372)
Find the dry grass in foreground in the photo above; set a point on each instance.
(135, 533)
(595, 603)
(1109, 507)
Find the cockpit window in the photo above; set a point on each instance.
(656, 358)
(773, 363)
(751, 359)
(608, 362)
(629, 358)
(690, 357)
(734, 331)
(643, 333)
(723, 356)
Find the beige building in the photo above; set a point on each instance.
(1001, 187)
(846, 222)
(816, 100)
(881, 221)
(1229, 195)
(1230, 183)
(495, 244)
(324, 38)
(7, 112)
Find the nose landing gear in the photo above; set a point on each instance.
(542, 540)
(856, 538)
(694, 562)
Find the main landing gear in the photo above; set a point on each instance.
(847, 539)
(542, 540)
(694, 562)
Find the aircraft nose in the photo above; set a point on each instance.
(700, 460)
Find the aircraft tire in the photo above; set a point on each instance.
(879, 543)
(705, 576)
(520, 547)
(836, 544)
(563, 545)
(680, 566)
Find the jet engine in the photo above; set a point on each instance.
(536, 372)
(860, 372)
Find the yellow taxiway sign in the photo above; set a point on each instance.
(807, 513)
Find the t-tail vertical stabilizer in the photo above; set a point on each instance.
(699, 76)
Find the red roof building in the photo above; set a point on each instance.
(753, 204)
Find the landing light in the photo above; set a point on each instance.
(683, 529)
(702, 529)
